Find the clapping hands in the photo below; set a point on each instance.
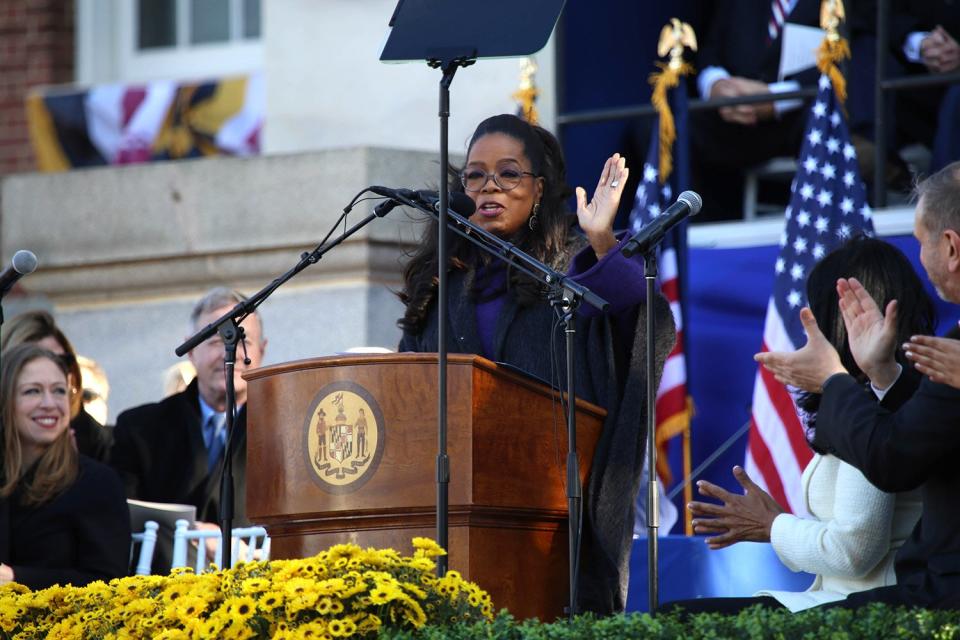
(871, 335)
(937, 358)
(738, 518)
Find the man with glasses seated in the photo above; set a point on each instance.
(172, 451)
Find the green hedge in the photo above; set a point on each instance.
(873, 622)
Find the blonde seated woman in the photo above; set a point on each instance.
(63, 516)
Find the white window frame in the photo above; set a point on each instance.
(107, 48)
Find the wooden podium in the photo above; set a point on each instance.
(343, 449)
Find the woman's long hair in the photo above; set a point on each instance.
(58, 466)
(887, 275)
(547, 243)
(34, 326)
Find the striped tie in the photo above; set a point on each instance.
(779, 10)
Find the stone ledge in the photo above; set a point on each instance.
(171, 227)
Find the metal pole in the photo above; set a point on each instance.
(443, 461)
(879, 110)
(653, 494)
(574, 490)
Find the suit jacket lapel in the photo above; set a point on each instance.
(191, 421)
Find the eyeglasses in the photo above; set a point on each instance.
(506, 179)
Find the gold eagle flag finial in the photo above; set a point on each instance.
(526, 94)
(832, 14)
(834, 47)
(675, 37)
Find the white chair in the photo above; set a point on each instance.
(256, 546)
(147, 540)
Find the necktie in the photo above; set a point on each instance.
(779, 10)
(216, 426)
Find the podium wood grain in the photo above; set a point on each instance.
(507, 445)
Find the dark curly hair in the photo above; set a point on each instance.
(887, 275)
(548, 243)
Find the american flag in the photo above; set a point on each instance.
(654, 195)
(828, 205)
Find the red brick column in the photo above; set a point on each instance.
(36, 48)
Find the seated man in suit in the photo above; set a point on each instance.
(741, 57)
(916, 445)
(172, 450)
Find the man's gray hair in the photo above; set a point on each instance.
(218, 298)
(941, 199)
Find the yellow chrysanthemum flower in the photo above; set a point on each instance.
(253, 586)
(337, 628)
(381, 594)
(270, 601)
(324, 605)
(240, 608)
(425, 547)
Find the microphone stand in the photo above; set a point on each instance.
(574, 488)
(566, 294)
(228, 327)
(231, 333)
(653, 493)
(449, 68)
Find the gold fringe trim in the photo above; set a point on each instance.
(667, 78)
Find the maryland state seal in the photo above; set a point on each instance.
(343, 437)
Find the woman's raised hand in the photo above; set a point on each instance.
(596, 217)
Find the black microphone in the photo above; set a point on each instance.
(23, 263)
(688, 204)
(459, 202)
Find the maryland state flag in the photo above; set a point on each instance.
(118, 124)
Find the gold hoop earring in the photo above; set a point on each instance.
(534, 221)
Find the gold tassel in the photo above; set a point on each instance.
(832, 51)
(667, 78)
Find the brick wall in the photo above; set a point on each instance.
(36, 48)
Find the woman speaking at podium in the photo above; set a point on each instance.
(515, 174)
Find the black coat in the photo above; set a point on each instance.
(93, 439)
(608, 373)
(916, 445)
(80, 536)
(159, 452)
